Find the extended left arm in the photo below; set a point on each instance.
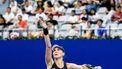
(75, 66)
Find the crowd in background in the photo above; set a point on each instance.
(90, 19)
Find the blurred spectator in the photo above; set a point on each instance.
(120, 2)
(28, 7)
(35, 34)
(89, 32)
(41, 13)
(9, 16)
(68, 1)
(74, 31)
(83, 14)
(91, 5)
(117, 16)
(50, 19)
(13, 5)
(23, 3)
(79, 7)
(36, 31)
(85, 1)
(3, 5)
(19, 1)
(100, 31)
(3, 1)
(59, 8)
(109, 4)
(72, 18)
(23, 14)
(39, 7)
(92, 16)
(2, 20)
(48, 8)
(19, 28)
(83, 23)
(52, 1)
(21, 23)
(102, 12)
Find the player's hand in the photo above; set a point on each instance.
(87, 66)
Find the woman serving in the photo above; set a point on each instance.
(58, 53)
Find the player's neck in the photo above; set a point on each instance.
(59, 60)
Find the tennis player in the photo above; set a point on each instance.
(58, 54)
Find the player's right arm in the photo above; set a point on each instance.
(48, 53)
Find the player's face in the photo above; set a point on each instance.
(58, 53)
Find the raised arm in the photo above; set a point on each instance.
(48, 53)
(75, 66)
